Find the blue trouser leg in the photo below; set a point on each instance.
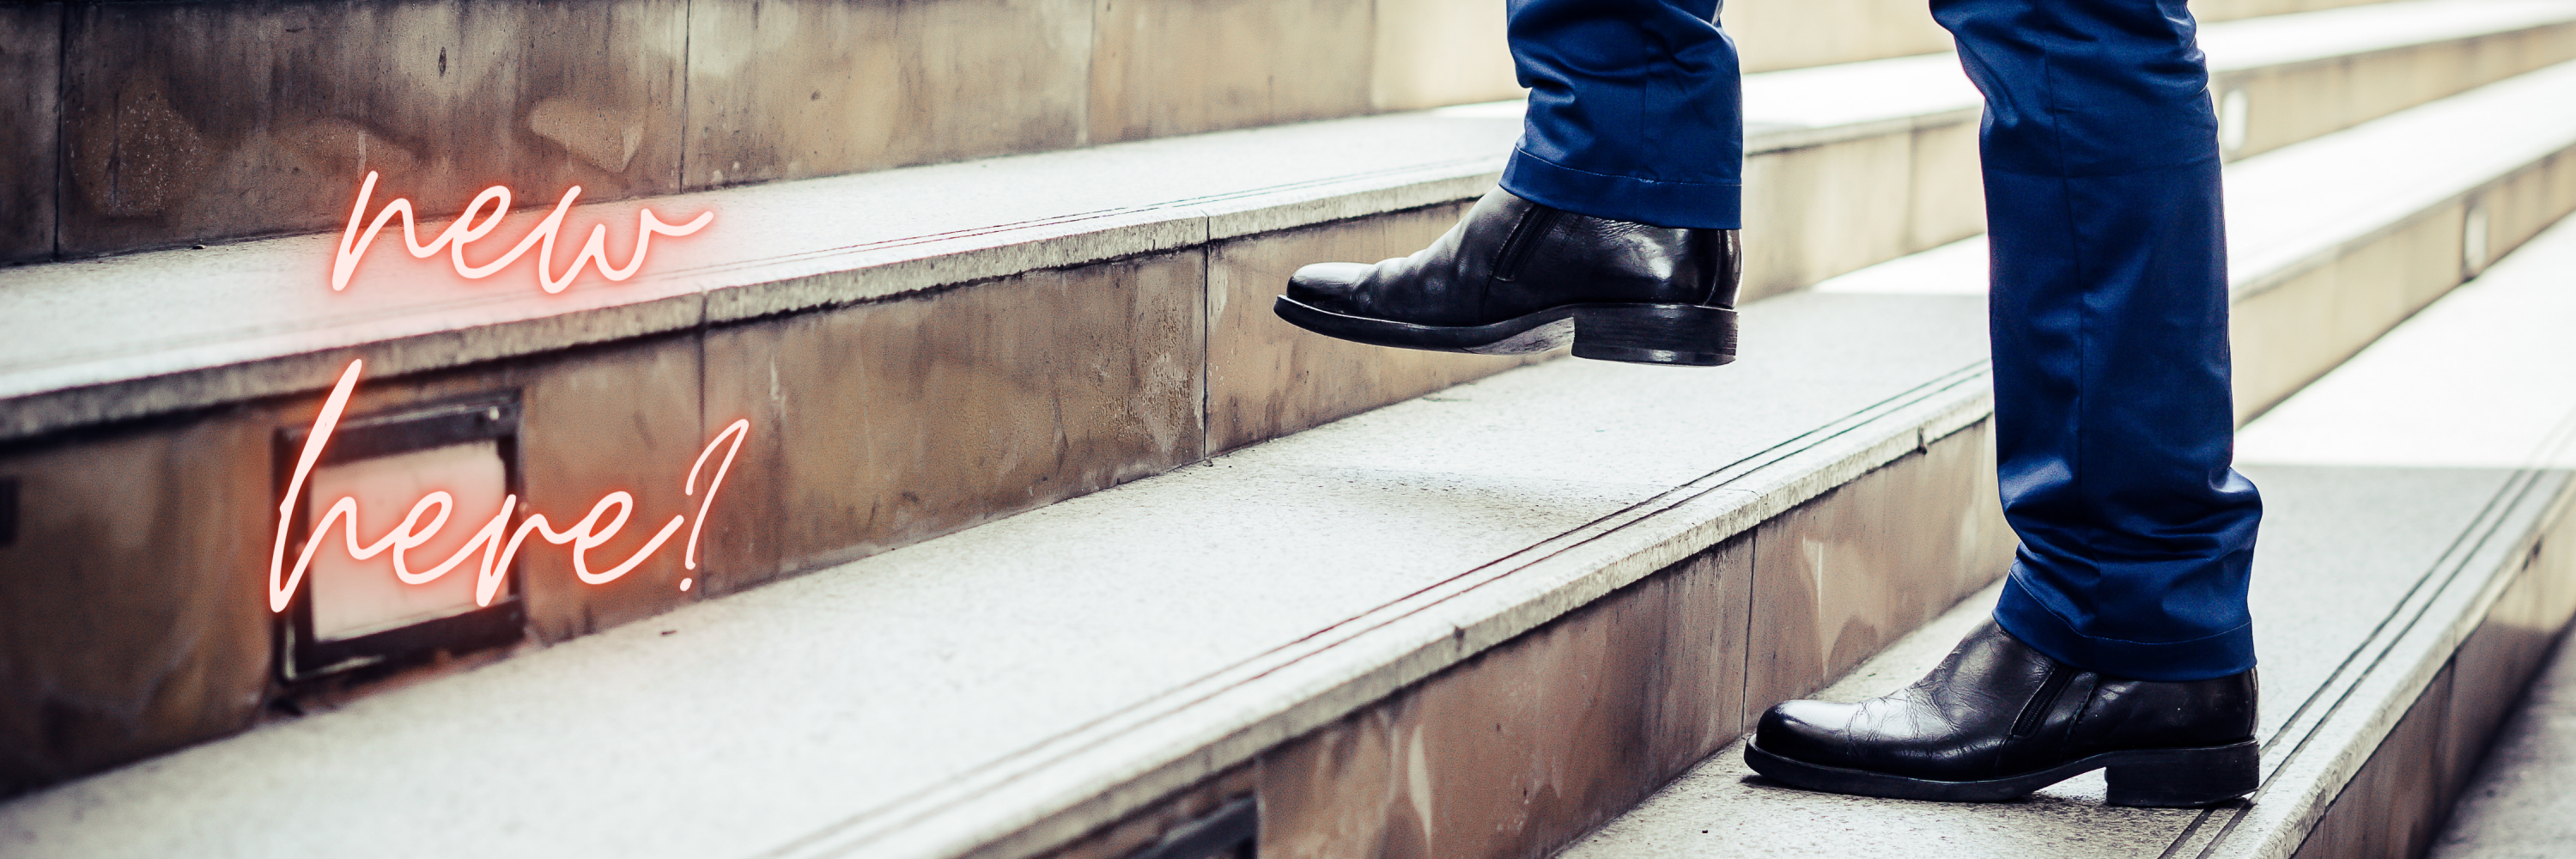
(2113, 419)
(1635, 111)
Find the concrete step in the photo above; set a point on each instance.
(925, 350)
(2322, 264)
(1475, 624)
(1850, 165)
(2286, 78)
(2416, 568)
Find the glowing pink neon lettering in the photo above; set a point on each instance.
(496, 554)
(594, 253)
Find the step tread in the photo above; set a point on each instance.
(1200, 584)
(2327, 34)
(2373, 479)
(169, 330)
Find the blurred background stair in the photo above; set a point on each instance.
(921, 629)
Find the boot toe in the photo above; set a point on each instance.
(1328, 285)
(1812, 731)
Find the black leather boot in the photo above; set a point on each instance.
(1998, 720)
(1516, 277)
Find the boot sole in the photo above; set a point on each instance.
(2152, 778)
(1682, 334)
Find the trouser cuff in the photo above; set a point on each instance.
(2221, 655)
(1690, 205)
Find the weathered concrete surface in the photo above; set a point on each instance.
(1160, 68)
(203, 121)
(1792, 34)
(31, 60)
(885, 424)
(1528, 744)
(134, 625)
(2522, 803)
(1440, 52)
(790, 90)
(1844, 576)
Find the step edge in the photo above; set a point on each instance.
(1427, 633)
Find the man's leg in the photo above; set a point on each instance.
(2113, 419)
(1635, 111)
(2122, 640)
(1614, 228)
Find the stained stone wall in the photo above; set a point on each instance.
(208, 120)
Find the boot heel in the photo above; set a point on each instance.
(2186, 778)
(1686, 334)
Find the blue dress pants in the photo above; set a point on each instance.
(2114, 429)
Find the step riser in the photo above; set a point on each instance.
(1533, 742)
(2397, 800)
(2290, 103)
(2287, 335)
(1783, 34)
(1812, 212)
(1266, 379)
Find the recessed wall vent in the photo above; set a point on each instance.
(1230, 832)
(349, 613)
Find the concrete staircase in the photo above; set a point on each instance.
(1404, 605)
